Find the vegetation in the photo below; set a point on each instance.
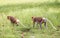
(24, 12)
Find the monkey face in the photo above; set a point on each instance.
(8, 17)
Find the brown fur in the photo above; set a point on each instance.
(12, 19)
(38, 20)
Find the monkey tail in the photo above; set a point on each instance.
(51, 24)
(22, 24)
(19, 22)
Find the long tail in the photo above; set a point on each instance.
(22, 24)
(51, 24)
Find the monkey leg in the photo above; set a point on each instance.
(17, 24)
(37, 25)
(45, 25)
(33, 24)
(40, 25)
(12, 23)
(45, 20)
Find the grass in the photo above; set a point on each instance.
(24, 12)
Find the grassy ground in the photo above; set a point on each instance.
(24, 12)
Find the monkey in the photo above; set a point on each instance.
(13, 20)
(39, 20)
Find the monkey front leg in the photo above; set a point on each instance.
(12, 23)
(33, 24)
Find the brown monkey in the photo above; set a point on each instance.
(13, 20)
(39, 20)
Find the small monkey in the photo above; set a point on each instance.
(13, 20)
(39, 20)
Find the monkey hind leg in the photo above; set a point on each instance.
(40, 25)
(45, 25)
(17, 24)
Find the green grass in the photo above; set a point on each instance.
(24, 12)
